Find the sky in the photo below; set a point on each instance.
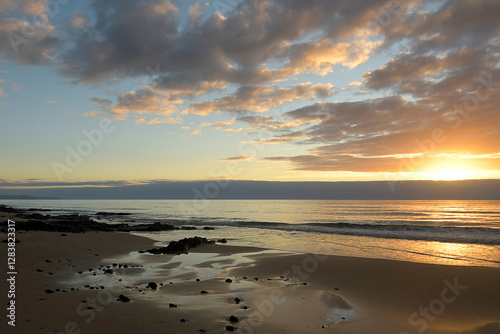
(123, 92)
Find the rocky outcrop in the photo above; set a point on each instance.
(179, 247)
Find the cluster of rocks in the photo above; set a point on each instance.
(82, 223)
(179, 247)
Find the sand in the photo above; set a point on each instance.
(269, 291)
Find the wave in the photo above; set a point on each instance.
(389, 230)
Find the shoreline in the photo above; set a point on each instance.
(373, 296)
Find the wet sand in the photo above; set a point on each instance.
(266, 291)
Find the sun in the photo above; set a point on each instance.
(450, 175)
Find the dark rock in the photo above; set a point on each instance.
(222, 241)
(112, 214)
(203, 292)
(237, 300)
(207, 228)
(108, 271)
(229, 280)
(233, 319)
(179, 247)
(183, 320)
(49, 291)
(171, 305)
(152, 285)
(39, 270)
(188, 228)
(230, 329)
(64, 235)
(123, 299)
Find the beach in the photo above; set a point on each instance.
(62, 286)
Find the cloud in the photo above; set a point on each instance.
(50, 102)
(29, 39)
(80, 21)
(157, 120)
(2, 91)
(222, 123)
(29, 7)
(92, 113)
(214, 51)
(262, 98)
(142, 101)
(238, 158)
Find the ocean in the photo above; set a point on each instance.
(440, 232)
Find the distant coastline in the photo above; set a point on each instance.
(26, 197)
(241, 189)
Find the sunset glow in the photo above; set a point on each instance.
(379, 90)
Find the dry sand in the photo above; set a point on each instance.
(270, 291)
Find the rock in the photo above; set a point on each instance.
(171, 305)
(49, 291)
(123, 299)
(233, 319)
(64, 235)
(229, 280)
(203, 292)
(112, 214)
(237, 300)
(183, 320)
(179, 247)
(222, 241)
(207, 228)
(108, 271)
(230, 329)
(152, 285)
